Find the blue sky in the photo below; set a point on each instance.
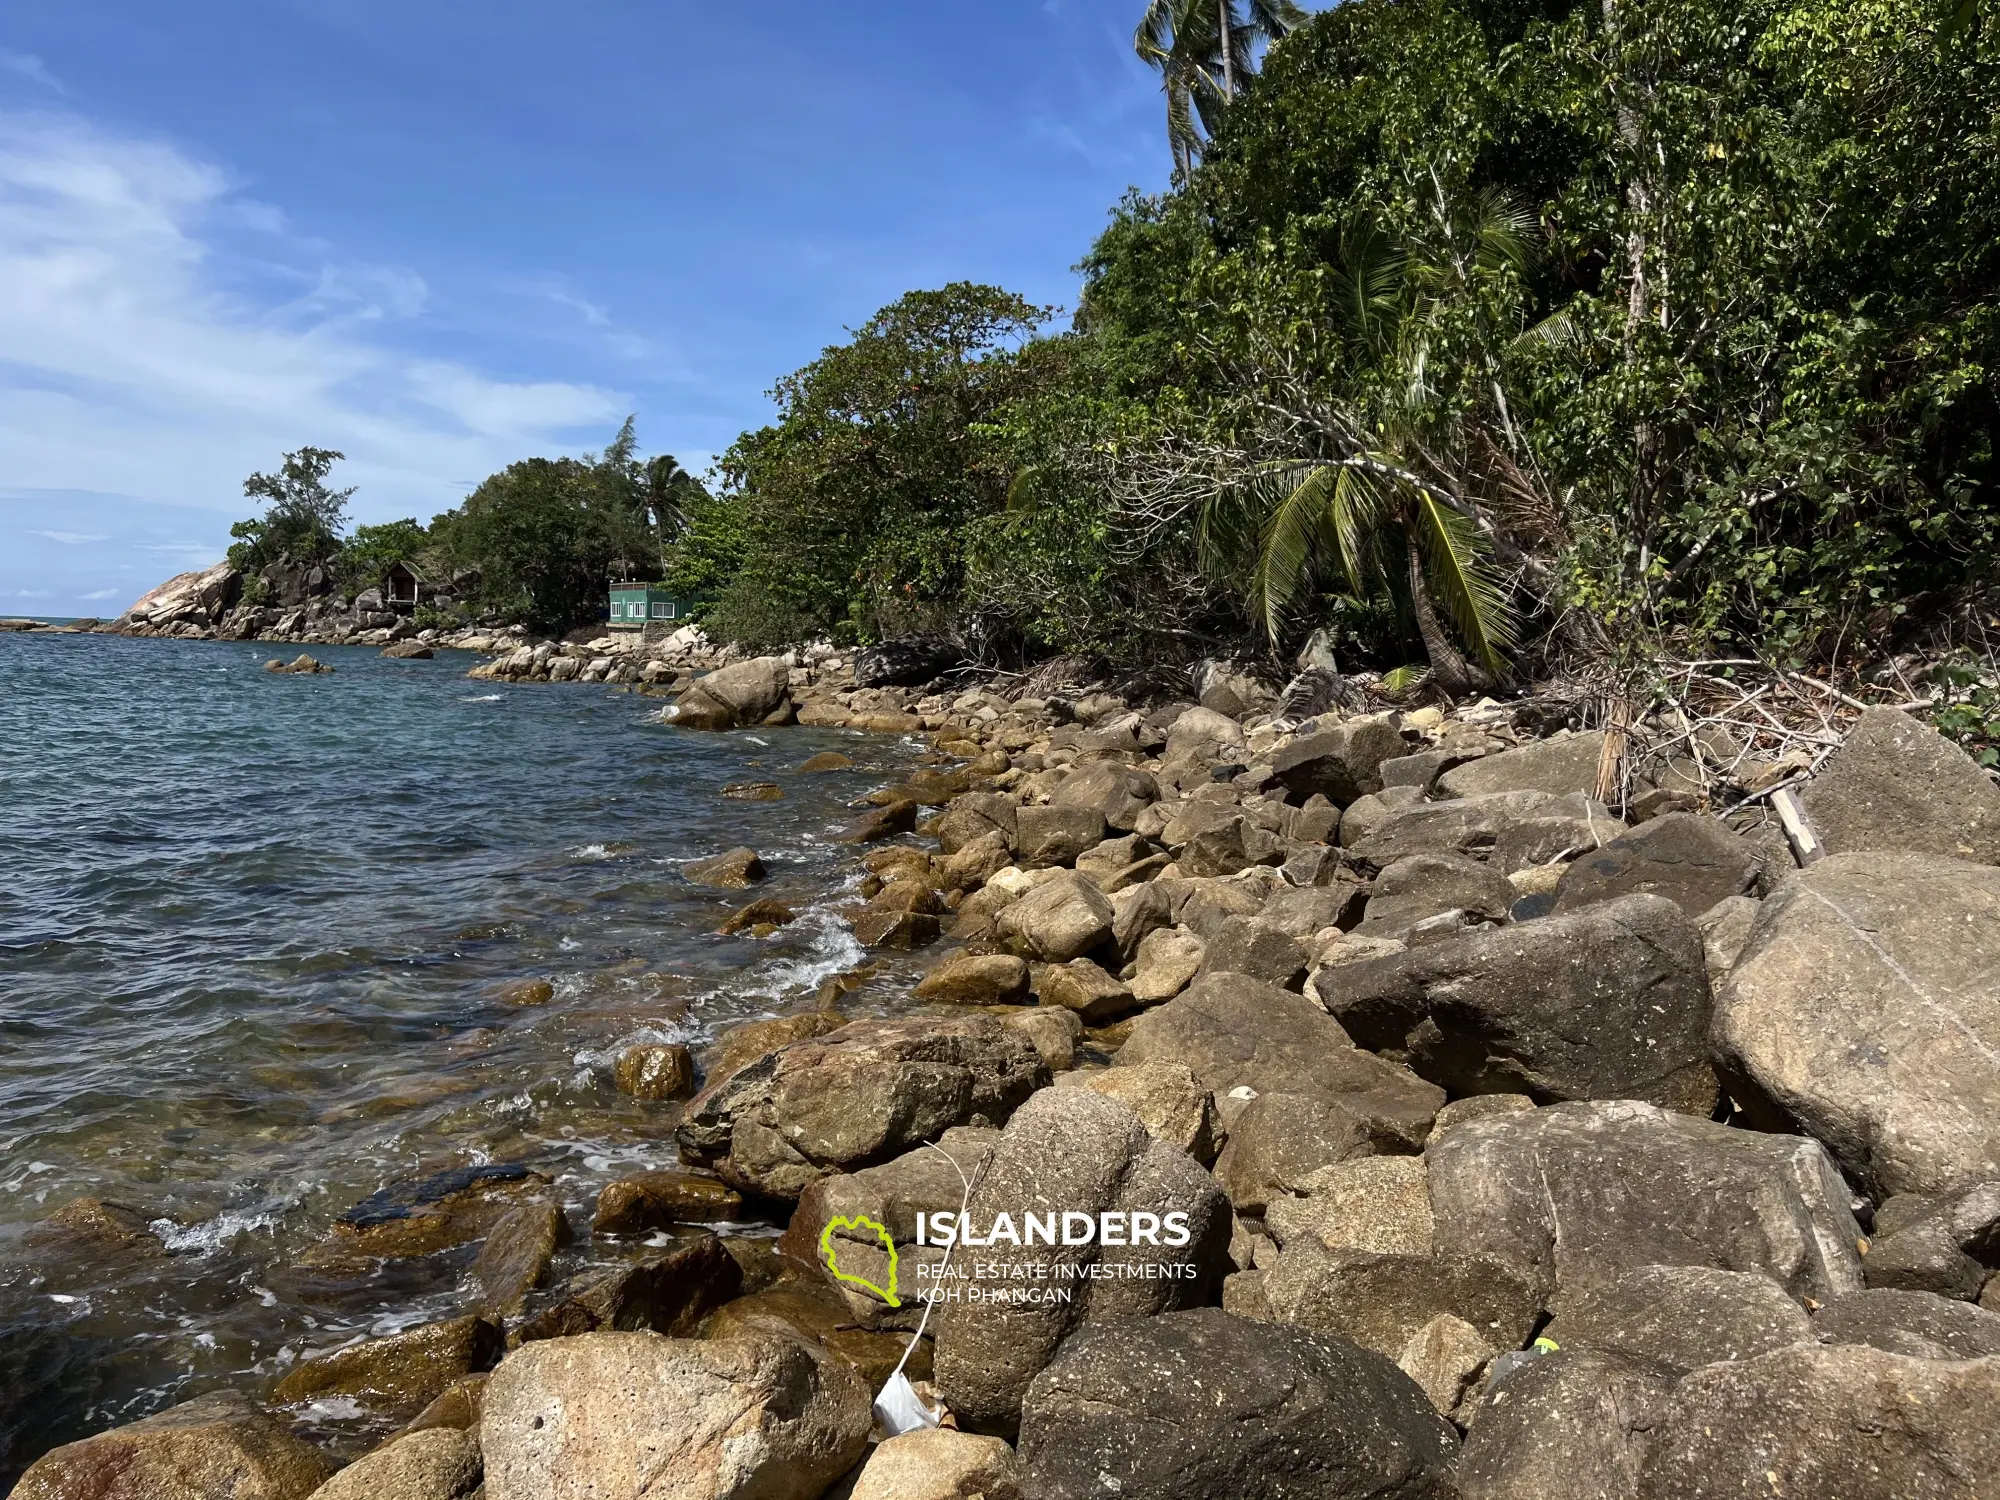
(440, 235)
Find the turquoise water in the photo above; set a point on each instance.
(254, 937)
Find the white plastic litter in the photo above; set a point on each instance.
(898, 1408)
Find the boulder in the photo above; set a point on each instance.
(653, 1201)
(804, 1310)
(1237, 1033)
(883, 823)
(976, 816)
(746, 692)
(1693, 861)
(667, 1293)
(1278, 1141)
(100, 1223)
(977, 979)
(1052, 1031)
(1117, 793)
(1420, 886)
(517, 1255)
(1202, 1403)
(1341, 764)
(1574, 1425)
(437, 1463)
(1368, 815)
(1610, 1002)
(1306, 912)
(732, 871)
(1081, 986)
(937, 1463)
(1045, 837)
(1202, 732)
(621, 1416)
(656, 1071)
(860, 1095)
(1936, 1245)
(1383, 1300)
(214, 1446)
(1916, 1324)
(204, 595)
(750, 1041)
(1512, 830)
(1058, 920)
(1684, 1317)
(1896, 784)
(1858, 1012)
(1444, 1357)
(1844, 1422)
(428, 1214)
(1253, 947)
(1581, 1194)
(1725, 928)
(409, 651)
(1378, 1205)
(758, 918)
(400, 1375)
(1562, 764)
(1073, 1151)
(908, 661)
(1167, 961)
(931, 1178)
(1137, 912)
(1169, 1102)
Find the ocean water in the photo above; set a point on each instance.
(256, 934)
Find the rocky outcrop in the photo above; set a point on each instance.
(1860, 1012)
(1609, 1002)
(1242, 1038)
(200, 599)
(1896, 785)
(217, 1445)
(747, 692)
(858, 1096)
(1073, 1151)
(623, 1416)
(1202, 1403)
(1579, 1195)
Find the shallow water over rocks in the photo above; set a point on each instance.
(261, 945)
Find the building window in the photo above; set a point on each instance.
(663, 611)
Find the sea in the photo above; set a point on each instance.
(262, 941)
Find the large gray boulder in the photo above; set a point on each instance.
(1862, 1012)
(1060, 919)
(1419, 886)
(1684, 1317)
(1242, 1037)
(1384, 1299)
(1118, 793)
(631, 1416)
(1694, 862)
(216, 1445)
(1897, 784)
(1610, 1002)
(1575, 1425)
(859, 1095)
(1071, 1151)
(1564, 763)
(1340, 764)
(1513, 830)
(1918, 1324)
(1844, 1422)
(1200, 1404)
(1942, 1245)
(1578, 1195)
(747, 692)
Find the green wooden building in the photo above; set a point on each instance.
(634, 606)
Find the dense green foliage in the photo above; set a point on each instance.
(1650, 319)
(302, 518)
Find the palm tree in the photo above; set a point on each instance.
(1384, 510)
(1203, 49)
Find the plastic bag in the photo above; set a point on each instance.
(900, 1410)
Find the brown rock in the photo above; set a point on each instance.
(216, 1446)
(517, 1256)
(658, 1200)
(400, 1375)
(883, 823)
(655, 1071)
(754, 791)
(977, 979)
(938, 1463)
(525, 992)
(765, 913)
(669, 1293)
(436, 1463)
(825, 761)
(1081, 986)
(732, 871)
(750, 1041)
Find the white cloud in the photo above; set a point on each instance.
(30, 67)
(101, 594)
(161, 335)
(72, 538)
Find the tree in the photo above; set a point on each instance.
(1203, 50)
(302, 520)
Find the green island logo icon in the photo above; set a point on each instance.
(830, 1256)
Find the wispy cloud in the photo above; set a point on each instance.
(99, 594)
(162, 334)
(30, 67)
(71, 538)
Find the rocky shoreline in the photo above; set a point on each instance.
(1518, 1144)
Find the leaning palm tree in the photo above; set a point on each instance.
(1384, 511)
(1203, 50)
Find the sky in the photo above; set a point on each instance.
(441, 235)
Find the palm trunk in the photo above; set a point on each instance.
(1453, 674)
(1226, 9)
